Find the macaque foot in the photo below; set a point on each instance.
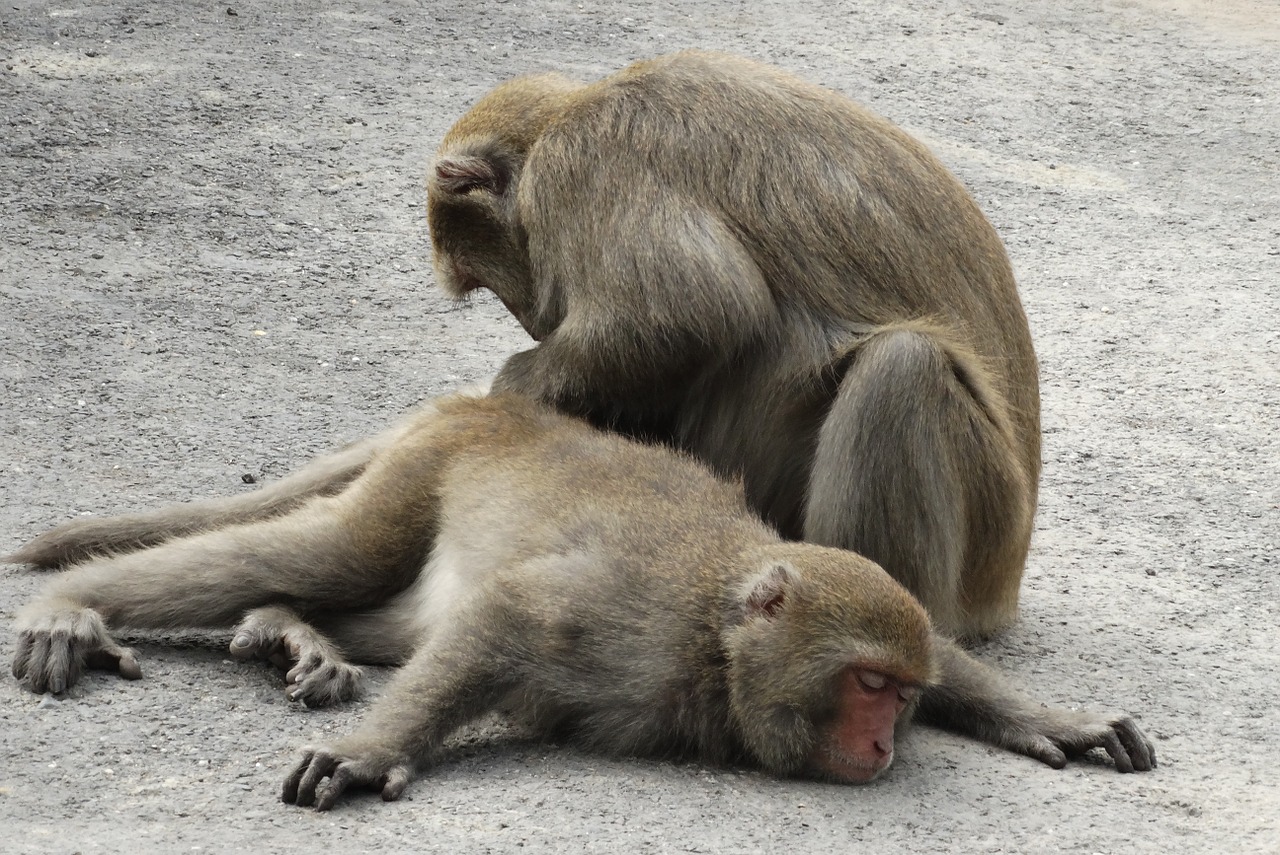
(57, 642)
(316, 672)
(344, 765)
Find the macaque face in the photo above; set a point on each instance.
(858, 744)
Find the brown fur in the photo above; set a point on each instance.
(714, 253)
(514, 558)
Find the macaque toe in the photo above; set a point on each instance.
(115, 658)
(253, 643)
(1128, 746)
(321, 682)
(262, 644)
(396, 782)
(315, 672)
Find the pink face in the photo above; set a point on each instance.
(858, 745)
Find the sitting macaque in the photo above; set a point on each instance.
(715, 254)
(513, 558)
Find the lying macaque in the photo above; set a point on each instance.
(512, 558)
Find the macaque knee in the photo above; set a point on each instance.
(916, 469)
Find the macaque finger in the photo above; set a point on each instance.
(1139, 748)
(321, 766)
(390, 783)
(341, 778)
(305, 665)
(1043, 749)
(59, 642)
(289, 792)
(1110, 743)
(300, 786)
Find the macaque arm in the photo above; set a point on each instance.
(455, 678)
(641, 294)
(79, 539)
(972, 699)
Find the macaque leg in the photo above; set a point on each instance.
(79, 539)
(388, 635)
(972, 699)
(317, 673)
(914, 469)
(205, 580)
(452, 680)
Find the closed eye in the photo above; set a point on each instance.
(873, 680)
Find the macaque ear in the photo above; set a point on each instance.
(768, 592)
(463, 173)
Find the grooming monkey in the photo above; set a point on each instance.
(715, 254)
(514, 558)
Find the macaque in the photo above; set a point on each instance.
(513, 558)
(714, 254)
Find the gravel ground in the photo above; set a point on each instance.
(214, 265)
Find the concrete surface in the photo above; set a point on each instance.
(213, 263)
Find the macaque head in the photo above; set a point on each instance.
(827, 655)
(476, 235)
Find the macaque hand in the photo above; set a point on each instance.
(57, 641)
(349, 762)
(1055, 735)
